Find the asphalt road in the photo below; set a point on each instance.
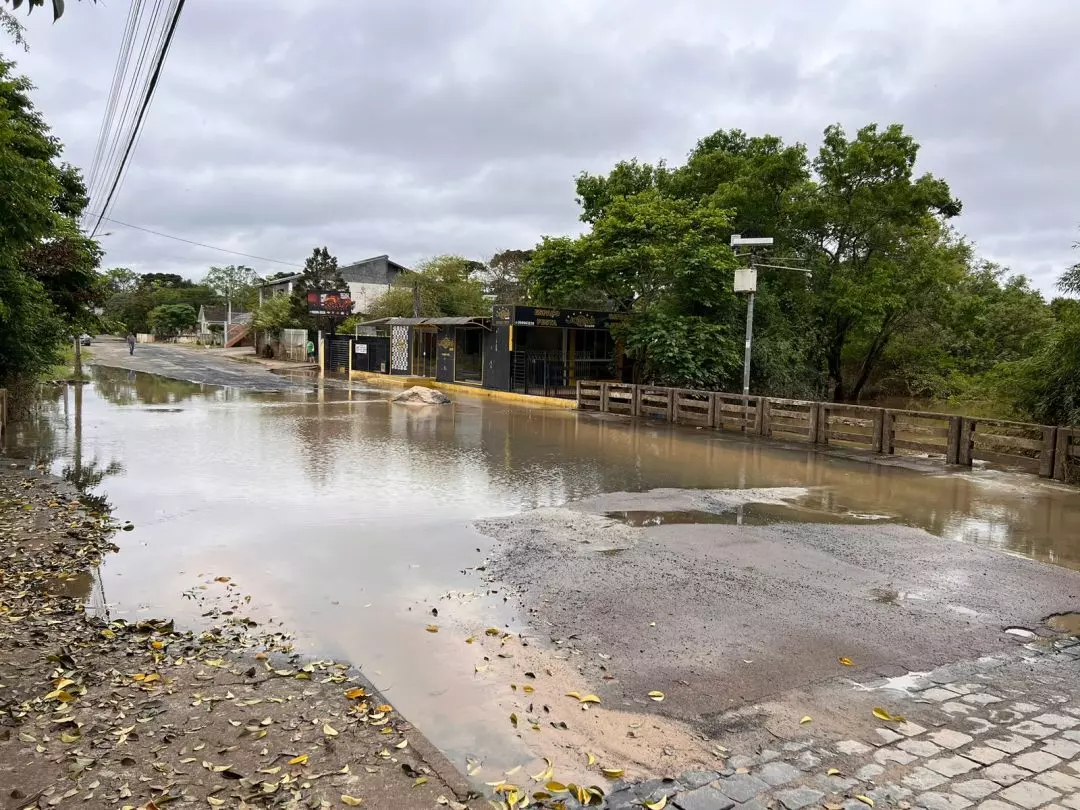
(192, 364)
(718, 616)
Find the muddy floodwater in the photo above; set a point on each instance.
(348, 519)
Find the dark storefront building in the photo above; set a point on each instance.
(530, 350)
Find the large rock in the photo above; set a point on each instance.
(419, 395)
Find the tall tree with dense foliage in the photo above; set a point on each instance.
(169, 320)
(48, 287)
(236, 283)
(666, 264)
(321, 274)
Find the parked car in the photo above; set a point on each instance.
(85, 340)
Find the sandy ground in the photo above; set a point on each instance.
(724, 619)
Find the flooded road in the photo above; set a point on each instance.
(349, 519)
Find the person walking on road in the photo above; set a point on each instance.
(131, 342)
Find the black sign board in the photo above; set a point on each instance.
(559, 318)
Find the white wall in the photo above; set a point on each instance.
(364, 294)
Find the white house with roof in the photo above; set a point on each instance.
(367, 279)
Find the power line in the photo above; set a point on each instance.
(147, 98)
(197, 244)
(126, 43)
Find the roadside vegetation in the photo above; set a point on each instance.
(49, 285)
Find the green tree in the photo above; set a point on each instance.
(235, 283)
(878, 251)
(440, 286)
(665, 263)
(502, 277)
(169, 320)
(320, 274)
(121, 280)
(274, 315)
(47, 283)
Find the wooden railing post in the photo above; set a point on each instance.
(878, 441)
(1046, 455)
(670, 404)
(635, 400)
(603, 397)
(1061, 455)
(952, 450)
(888, 431)
(967, 441)
(764, 422)
(813, 423)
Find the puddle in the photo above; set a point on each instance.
(345, 520)
(1068, 623)
(751, 514)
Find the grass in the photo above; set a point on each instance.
(65, 369)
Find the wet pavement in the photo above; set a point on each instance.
(351, 520)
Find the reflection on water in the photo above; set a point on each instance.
(347, 517)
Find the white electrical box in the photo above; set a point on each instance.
(746, 280)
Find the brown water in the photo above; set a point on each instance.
(348, 518)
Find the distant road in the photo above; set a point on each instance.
(192, 364)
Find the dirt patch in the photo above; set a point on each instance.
(535, 686)
(115, 714)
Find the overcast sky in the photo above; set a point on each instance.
(419, 127)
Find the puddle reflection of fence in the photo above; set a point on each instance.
(1051, 452)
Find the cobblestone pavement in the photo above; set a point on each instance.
(1000, 733)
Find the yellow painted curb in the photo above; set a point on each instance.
(466, 390)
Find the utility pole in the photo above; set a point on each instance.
(746, 281)
(228, 312)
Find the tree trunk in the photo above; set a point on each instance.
(873, 354)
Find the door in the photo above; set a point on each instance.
(425, 350)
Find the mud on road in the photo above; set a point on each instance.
(718, 615)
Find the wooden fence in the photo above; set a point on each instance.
(1042, 449)
(3, 417)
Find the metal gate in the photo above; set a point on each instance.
(337, 354)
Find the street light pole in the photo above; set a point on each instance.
(749, 339)
(746, 281)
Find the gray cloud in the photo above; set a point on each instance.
(417, 128)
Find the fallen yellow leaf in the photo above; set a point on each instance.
(613, 773)
(574, 695)
(300, 760)
(432, 628)
(590, 699)
(847, 662)
(659, 804)
(656, 695)
(358, 692)
(805, 720)
(492, 631)
(555, 787)
(470, 639)
(352, 801)
(833, 772)
(882, 714)
(329, 730)
(865, 800)
(403, 744)
(528, 690)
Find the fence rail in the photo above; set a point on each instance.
(1045, 450)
